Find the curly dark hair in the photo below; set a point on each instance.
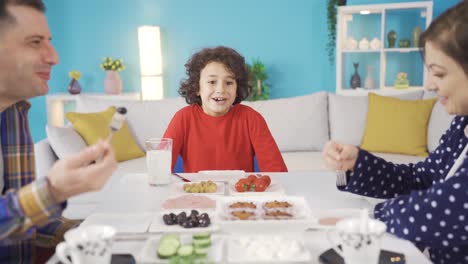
(449, 32)
(232, 60)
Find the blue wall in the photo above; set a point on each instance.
(288, 36)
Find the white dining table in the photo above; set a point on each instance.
(131, 195)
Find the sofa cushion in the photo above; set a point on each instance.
(348, 116)
(397, 126)
(145, 119)
(297, 123)
(95, 126)
(64, 141)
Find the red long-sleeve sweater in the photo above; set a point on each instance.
(228, 142)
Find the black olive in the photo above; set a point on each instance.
(204, 222)
(194, 222)
(173, 217)
(168, 220)
(181, 218)
(194, 213)
(187, 224)
(203, 216)
(182, 214)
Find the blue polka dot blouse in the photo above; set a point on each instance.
(422, 205)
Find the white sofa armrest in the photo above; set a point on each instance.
(45, 157)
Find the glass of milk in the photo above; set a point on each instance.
(159, 160)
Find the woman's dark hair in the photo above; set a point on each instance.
(449, 32)
(5, 16)
(231, 59)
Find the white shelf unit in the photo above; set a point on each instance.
(381, 12)
(56, 104)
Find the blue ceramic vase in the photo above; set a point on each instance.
(74, 87)
(355, 79)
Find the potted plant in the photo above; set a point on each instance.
(260, 89)
(331, 24)
(112, 81)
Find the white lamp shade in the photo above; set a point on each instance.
(149, 40)
(152, 88)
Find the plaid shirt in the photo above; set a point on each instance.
(28, 214)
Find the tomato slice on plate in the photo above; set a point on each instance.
(251, 178)
(266, 179)
(239, 186)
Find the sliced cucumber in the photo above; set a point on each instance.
(166, 251)
(201, 235)
(185, 250)
(185, 260)
(170, 236)
(202, 243)
(170, 242)
(202, 252)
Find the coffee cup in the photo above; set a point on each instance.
(359, 241)
(88, 244)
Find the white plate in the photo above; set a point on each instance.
(158, 225)
(302, 220)
(333, 214)
(123, 223)
(219, 175)
(273, 189)
(148, 252)
(267, 249)
(178, 188)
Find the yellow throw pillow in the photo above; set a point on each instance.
(397, 126)
(95, 126)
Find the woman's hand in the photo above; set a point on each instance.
(340, 156)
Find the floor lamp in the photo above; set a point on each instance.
(149, 41)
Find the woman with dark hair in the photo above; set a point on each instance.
(215, 132)
(427, 201)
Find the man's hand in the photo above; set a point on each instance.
(79, 173)
(340, 156)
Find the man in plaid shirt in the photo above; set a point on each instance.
(31, 207)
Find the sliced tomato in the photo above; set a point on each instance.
(266, 179)
(239, 186)
(260, 185)
(251, 178)
(245, 184)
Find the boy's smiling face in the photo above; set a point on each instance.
(218, 89)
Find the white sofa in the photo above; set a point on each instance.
(300, 125)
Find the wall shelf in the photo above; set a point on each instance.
(385, 62)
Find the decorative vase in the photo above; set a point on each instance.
(74, 87)
(416, 33)
(375, 44)
(351, 44)
(391, 37)
(112, 83)
(355, 79)
(369, 83)
(364, 44)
